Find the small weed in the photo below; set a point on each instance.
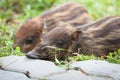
(43, 78)
(8, 50)
(114, 57)
(55, 51)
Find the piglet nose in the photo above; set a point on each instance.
(32, 55)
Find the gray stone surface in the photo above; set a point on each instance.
(33, 68)
(6, 75)
(20, 68)
(75, 75)
(99, 68)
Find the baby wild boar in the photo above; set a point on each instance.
(99, 37)
(29, 34)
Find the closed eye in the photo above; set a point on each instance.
(29, 41)
(59, 44)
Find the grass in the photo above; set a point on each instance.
(13, 13)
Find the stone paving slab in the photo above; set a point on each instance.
(34, 69)
(75, 75)
(98, 68)
(31, 67)
(6, 75)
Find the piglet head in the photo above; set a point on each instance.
(28, 35)
(56, 43)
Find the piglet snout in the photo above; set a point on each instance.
(32, 55)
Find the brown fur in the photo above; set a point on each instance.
(35, 28)
(99, 37)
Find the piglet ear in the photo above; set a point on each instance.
(75, 35)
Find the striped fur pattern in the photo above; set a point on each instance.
(73, 13)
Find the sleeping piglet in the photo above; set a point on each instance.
(98, 38)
